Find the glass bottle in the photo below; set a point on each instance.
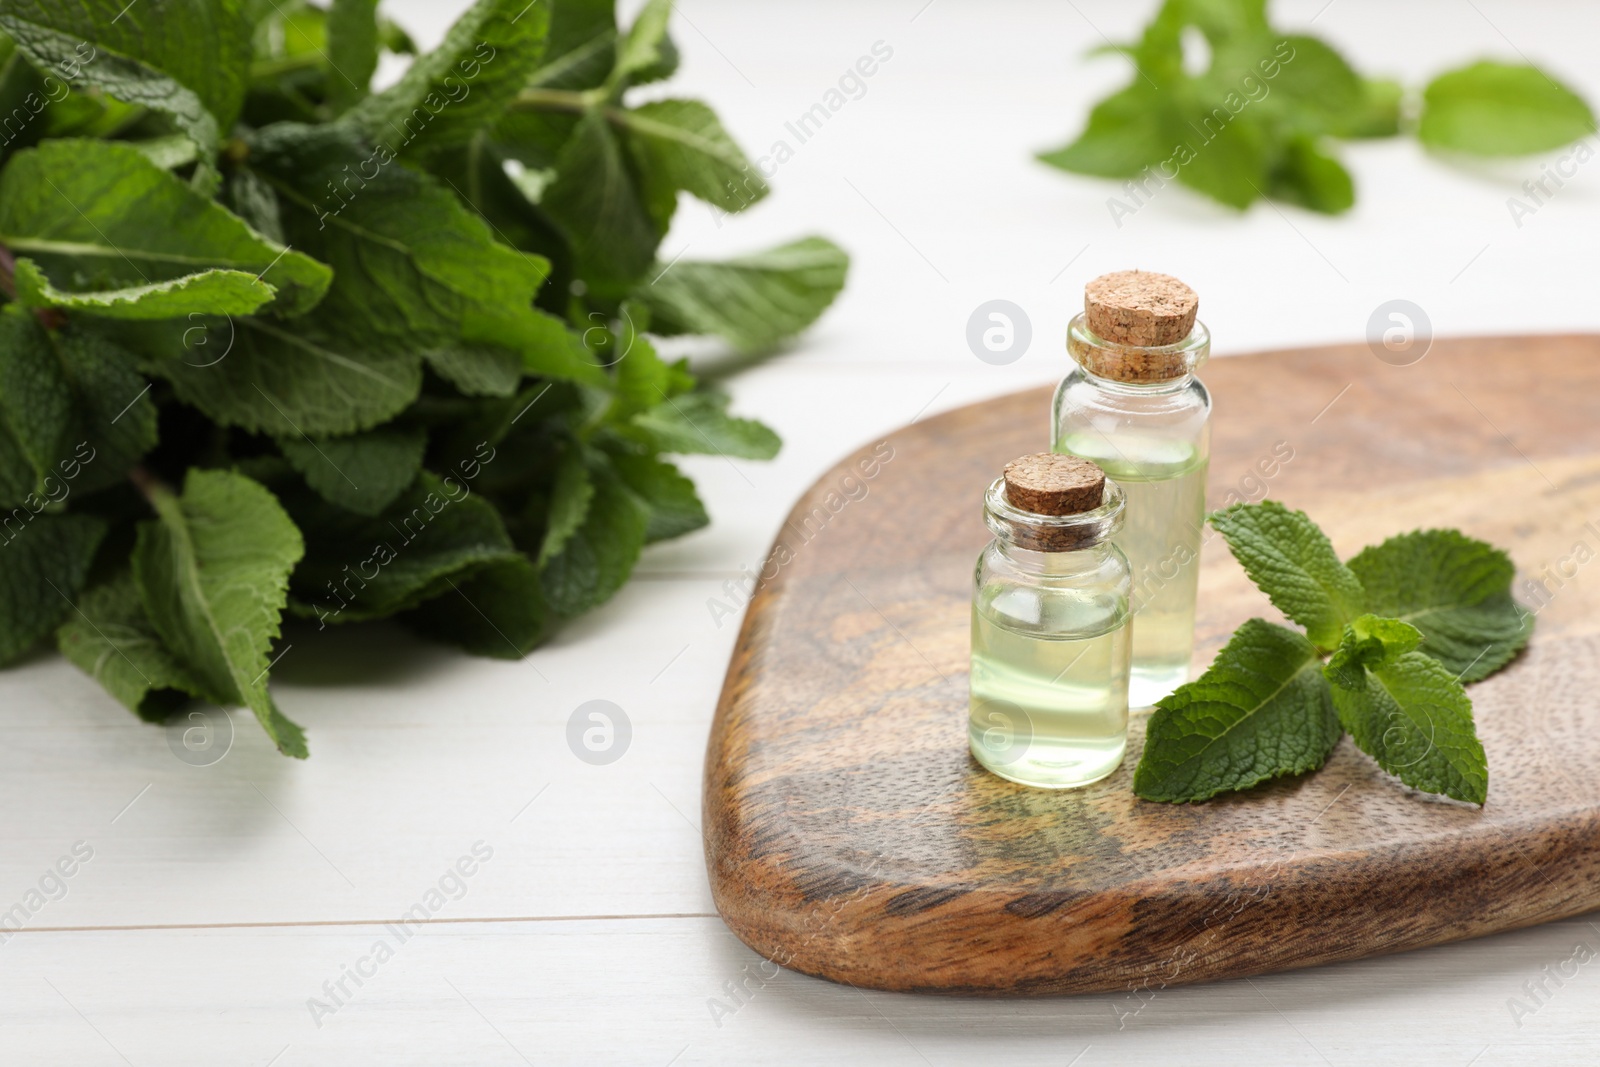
(1050, 645)
(1141, 414)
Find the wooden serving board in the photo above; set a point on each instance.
(851, 836)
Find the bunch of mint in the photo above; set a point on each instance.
(1259, 120)
(272, 342)
(1406, 622)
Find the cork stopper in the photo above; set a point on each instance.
(1046, 483)
(1132, 310)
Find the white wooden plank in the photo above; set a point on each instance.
(645, 992)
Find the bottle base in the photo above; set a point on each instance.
(1059, 766)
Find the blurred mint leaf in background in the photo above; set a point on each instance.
(1261, 119)
(1501, 109)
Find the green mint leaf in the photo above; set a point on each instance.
(462, 86)
(101, 211)
(1232, 164)
(645, 48)
(1370, 641)
(598, 557)
(1290, 559)
(570, 496)
(412, 264)
(359, 568)
(1413, 717)
(74, 414)
(1500, 109)
(597, 202)
(211, 292)
(581, 49)
(641, 379)
(109, 637)
(352, 37)
(682, 144)
(1314, 88)
(281, 378)
(363, 473)
(675, 508)
(187, 58)
(1307, 176)
(753, 301)
(1127, 132)
(498, 611)
(44, 560)
(213, 573)
(1455, 590)
(1261, 711)
(478, 370)
(700, 423)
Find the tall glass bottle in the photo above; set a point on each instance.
(1133, 405)
(1049, 682)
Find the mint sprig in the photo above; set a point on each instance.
(1260, 120)
(272, 343)
(1403, 625)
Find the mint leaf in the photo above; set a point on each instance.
(478, 370)
(700, 423)
(641, 379)
(463, 85)
(352, 34)
(1412, 716)
(213, 573)
(211, 292)
(1126, 133)
(682, 144)
(272, 377)
(1455, 590)
(109, 637)
(1290, 559)
(102, 212)
(600, 554)
(597, 202)
(498, 611)
(581, 50)
(753, 301)
(363, 473)
(187, 58)
(44, 560)
(1261, 710)
(1370, 641)
(1231, 165)
(644, 46)
(1501, 109)
(570, 496)
(1308, 176)
(412, 264)
(675, 508)
(359, 568)
(74, 415)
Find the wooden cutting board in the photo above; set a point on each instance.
(851, 836)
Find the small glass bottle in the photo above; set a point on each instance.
(1050, 646)
(1133, 405)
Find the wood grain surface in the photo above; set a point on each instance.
(851, 836)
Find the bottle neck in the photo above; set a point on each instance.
(1023, 535)
(1135, 370)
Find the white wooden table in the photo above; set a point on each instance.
(219, 900)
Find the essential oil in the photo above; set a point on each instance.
(1050, 637)
(1134, 406)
